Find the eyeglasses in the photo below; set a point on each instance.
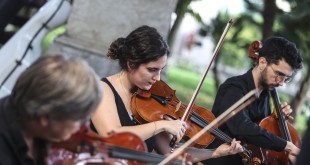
(281, 76)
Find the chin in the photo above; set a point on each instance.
(59, 139)
(54, 140)
(146, 87)
(272, 87)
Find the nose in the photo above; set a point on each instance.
(157, 76)
(280, 82)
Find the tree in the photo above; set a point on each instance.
(295, 26)
(180, 10)
(269, 14)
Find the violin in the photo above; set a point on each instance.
(275, 123)
(86, 147)
(161, 102)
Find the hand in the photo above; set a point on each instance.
(293, 151)
(286, 109)
(225, 149)
(175, 127)
(292, 158)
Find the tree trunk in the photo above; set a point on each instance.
(269, 14)
(180, 11)
(301, 95)
(215, 73)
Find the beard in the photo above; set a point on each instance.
(263, 81)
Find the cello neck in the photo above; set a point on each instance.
(281, 120)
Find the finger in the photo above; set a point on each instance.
(286, 108)
(284, 104)
(287, 111)
(234, 145)
(185, 128)
(179, 137)
(182, 133)
(184, 125)
(241, 149)
(289, 117)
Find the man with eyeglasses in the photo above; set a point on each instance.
(277, 62)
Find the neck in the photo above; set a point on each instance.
(256, 76)
(124, 82)
(28, 136)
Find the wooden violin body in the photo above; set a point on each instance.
(162, 103)
(86, 147)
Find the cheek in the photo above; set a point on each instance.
(141, 78)
(65, 131)
(73, 128)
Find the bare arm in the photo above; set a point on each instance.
(106, 119)
(197, 154)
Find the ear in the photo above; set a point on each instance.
(44, 121)
(129, 66)
(262, 63)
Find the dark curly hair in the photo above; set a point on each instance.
(278, 48)
(141, 46)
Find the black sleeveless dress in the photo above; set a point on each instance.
(124, 116)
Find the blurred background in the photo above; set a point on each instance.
(192, 29)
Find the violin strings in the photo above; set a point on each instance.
(198, 119)
(215, 131)
(125, 153)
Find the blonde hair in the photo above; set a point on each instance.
(58, 87)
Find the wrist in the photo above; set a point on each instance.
(288, 146)
(159, 127)
(215, 154)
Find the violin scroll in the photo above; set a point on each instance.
(253, 50)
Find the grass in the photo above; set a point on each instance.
(185, 83)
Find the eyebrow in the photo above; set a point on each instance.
(156, 67)
(282, 74)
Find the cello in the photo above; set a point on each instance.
(275, 123)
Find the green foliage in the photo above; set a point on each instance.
(50, 36)
(234, 49)
(295, 27)
(185, 83)
(301, 124)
